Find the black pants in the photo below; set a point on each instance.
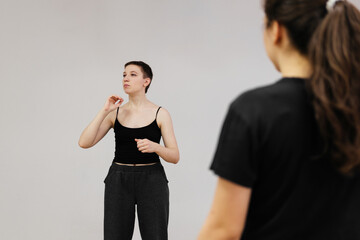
(143, 186)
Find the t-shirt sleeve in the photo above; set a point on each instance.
(235, 157)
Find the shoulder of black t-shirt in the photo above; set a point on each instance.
(265, 98)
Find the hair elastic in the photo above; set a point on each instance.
(330, 4)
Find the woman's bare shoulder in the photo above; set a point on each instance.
(163, 116)
(114, 114)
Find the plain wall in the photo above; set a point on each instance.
(59, 62)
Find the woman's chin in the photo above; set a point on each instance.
(127, 91)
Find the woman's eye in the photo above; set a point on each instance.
(134, 75)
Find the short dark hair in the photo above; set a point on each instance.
(145, 69)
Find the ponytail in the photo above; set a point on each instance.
(334, 51)
(328, 33)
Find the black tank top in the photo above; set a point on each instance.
(126, 150)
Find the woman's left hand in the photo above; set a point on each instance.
(145, 145)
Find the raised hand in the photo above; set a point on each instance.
(112, 103)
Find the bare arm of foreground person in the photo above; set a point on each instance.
(170, 151)
(227, 216)
(101, 124)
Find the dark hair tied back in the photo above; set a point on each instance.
(331, 40)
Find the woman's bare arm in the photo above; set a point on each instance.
(100, 125)
(227, 216)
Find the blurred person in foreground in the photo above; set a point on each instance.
(288, 156)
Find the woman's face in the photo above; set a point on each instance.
(133, 79)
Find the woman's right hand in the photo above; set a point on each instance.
(110, 103)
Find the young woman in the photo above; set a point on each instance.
(136, 176)
(288, 156)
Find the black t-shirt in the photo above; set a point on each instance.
(270, 142)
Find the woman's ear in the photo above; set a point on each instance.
(279, 35)
(147, 82)
(276, 31)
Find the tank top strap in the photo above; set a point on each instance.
(157, 112)
(117, 111)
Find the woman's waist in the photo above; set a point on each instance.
(136, 166)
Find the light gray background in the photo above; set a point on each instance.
(61, 59)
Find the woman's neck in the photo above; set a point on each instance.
(137, 101)
(294, 64)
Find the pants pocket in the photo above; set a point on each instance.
(108, 176)
(164, 175)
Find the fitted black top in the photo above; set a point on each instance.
(270, 142)
(126, 150)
